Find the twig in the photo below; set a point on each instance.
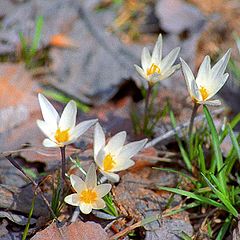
(15, 164)
(178, 129)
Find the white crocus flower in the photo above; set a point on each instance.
(155, 68)
(114, 156)
(88, 194)
(208, 81)
(61, 131)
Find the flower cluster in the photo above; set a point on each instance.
(109, 158)
(113, 156)
(201, 89)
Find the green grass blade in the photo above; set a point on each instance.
(217, 151)
(201, 160)
(37, 36)
(224, 228)
(23, 44)
(234, 141)
(194, 196)
(233, 123)
(62, 98)
(110, 206)
(180, 145)
(25, 233)
(224, 199)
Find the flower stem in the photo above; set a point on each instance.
(63, 154)
(194, 112)
(146, 110)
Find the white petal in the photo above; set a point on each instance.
(217, 84)
(157, 51)
(145, 59)
(99, 139)
(115, 144)
(169, 60)
(112, 177)
(81, 128)
(100, 157)
(189, 78)
(85, 208)
(211, 102)
(130, 149)
(99, 204)
(49, 143)
(103, 189)
(220, 67)
(203, 76)
(123, 164)
(45, 128)
(49, 113)
(72, 199)
(140, 71)
(91, 177)
(77, 183)
(169, 72)
(68, 118)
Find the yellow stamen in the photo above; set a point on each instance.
(108, 163)
(88, 196)
(204, 93)
(62, 136)
(153, 69)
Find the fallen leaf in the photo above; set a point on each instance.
(63, 41)
(74, 231)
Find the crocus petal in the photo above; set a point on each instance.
(44, 127)
(81, 128)
(99, 204)
(112, 177)
(99, 139)
(77, 183)
(188, 75)
(123, 164)
(220, 67)
(49, 113)
(103, 189)
(169, 60)
(130, 149)
(157, 51)
(211, 102)
(99, 158)
(216, 85)
(85, 208)
(204, 73)
(72, 199)
(169, 72)
(91, 177)
(49, 143)
(145, 59)
(140, 71)
(68, 118)
(115, 144)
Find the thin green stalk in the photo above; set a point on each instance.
(63, 155)
(146, 110)
(194, 112)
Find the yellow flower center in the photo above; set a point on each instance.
(153, 69)
(108, 163)
(62, 136)
(88, 196)
(204, 93)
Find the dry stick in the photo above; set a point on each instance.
(16, 165)
(178, 129)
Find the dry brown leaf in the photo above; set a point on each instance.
(75, 231)
(63, 41)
